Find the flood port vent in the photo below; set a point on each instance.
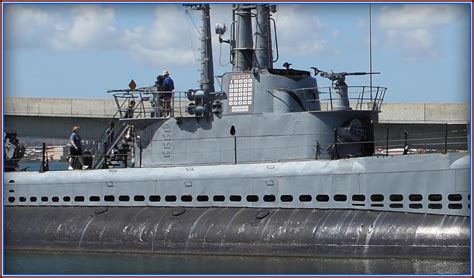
(33, 199)
(218, 198)
(235, 198)
(252, 198)
(455, 206)
(435, 206)
(340, 198)
(109, 198)
(455, 197)
(435, 197)
(124, 198)
(186, 198)
(170, 198)
(269, 198)
(202, 198)
(396, 197)
(415, 197)
(22, 199)
(139, 198)
(415, 206)
(154, 198)
(396, 205)
(377, 198)
(286, 198)
(55, 199)
(305, 198)
(11, 199)
(322, 198)
(79, 199)
(94, 199)
(44, 199)
(66, 199)
(358, 198)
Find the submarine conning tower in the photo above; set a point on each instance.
(260, 113)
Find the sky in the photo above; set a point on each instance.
(82, 50)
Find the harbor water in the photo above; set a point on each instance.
(39, 262)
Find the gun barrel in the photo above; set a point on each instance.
(361, 73)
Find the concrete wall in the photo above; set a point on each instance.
(57, 107)
(410, 113)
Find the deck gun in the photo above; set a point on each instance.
(339, 77)
(341, 99)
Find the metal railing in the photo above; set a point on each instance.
(363, 98)
(151, 103)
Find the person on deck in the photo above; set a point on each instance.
(75, 150)
(168, 87)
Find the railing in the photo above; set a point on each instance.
(151, 103)
(364, 98)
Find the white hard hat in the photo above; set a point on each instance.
(165, 73)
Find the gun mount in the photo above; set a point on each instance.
(339, 85)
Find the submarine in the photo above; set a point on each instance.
(270, 164)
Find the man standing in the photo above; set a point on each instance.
(168, 87)
(75, 150)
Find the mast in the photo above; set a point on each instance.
(207, 67)
(244, 51)
(263, 38)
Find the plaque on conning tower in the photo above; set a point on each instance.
(241, 93)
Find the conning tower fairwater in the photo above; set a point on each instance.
(267, 164)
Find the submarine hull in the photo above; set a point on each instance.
(237, 231)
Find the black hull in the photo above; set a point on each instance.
(238, 231)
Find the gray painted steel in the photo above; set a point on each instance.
(431, 183)
(251, 175)
(238, 231)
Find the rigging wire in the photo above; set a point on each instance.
(191, 37)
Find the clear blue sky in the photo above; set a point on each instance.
(80, 51)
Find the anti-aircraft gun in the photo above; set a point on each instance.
(339, 85)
